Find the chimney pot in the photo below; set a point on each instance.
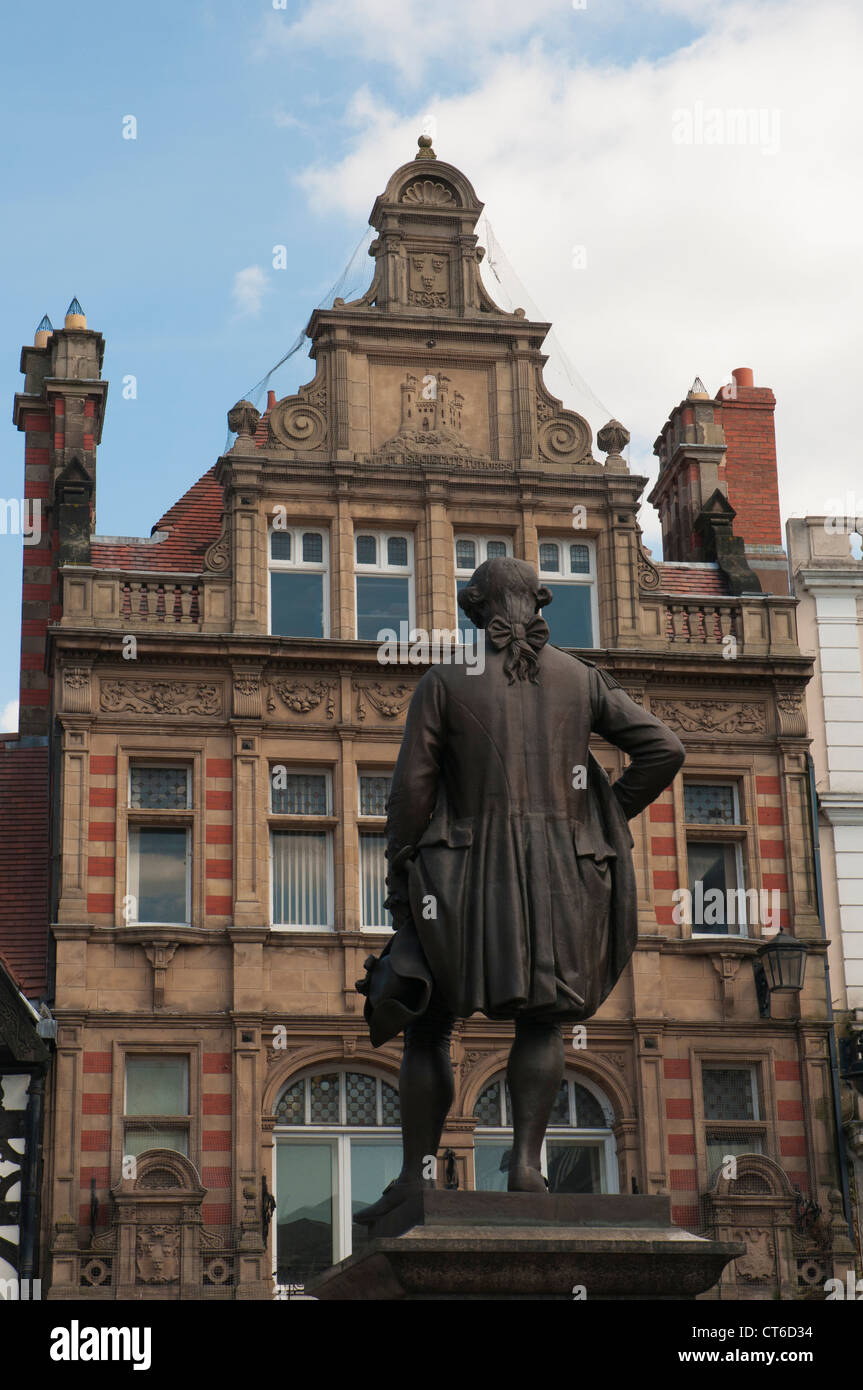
(75, 316)
(743, 376)
(271, 400)
(43, 332)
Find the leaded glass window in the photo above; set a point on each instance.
(360, 1099)
(339, 1098)
(313, 548)
(367, 550)
(729, 1093)
(397, 550)
(324, 1100)
(299, 793)
(487, 1110)
(465, 555)
(549, 557)
(390, 1109)
(710, 803)
(158, 788)
(579, 559)
(374, 791)
(291, 1105)
(496, 550)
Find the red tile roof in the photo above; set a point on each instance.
(691, 579)
(24, 865)
(192, 524)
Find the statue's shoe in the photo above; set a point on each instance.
(393, 1195)
(524, 1179)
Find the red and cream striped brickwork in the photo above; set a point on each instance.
(102, 836)
(218, 836)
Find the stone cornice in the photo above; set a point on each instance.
(841, 808)
(667, 666)
(831, 578)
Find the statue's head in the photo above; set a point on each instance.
(504, 597)
(508, 589)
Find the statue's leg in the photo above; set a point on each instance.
(425, 1089)
(534, 1073)
(425, 1096)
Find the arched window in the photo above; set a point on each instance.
(579, 1153)
(338, 1144)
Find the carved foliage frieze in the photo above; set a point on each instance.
(160, 697)
(302, 696)
(712, 716)
(389, 701)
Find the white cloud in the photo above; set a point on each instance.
(250, 286)
(9, 717)
(408, 35)
(699, 257)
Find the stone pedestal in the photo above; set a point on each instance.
(501, 1245)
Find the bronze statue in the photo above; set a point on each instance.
(510, 880)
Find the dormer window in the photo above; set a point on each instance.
(299, 582)
(568, 569)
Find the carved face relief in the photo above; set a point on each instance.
(157, 1254)
(428, 280)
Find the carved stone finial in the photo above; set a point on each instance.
(612, 439)
(425, 148)
(243, 418)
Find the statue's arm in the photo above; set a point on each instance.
(656, 753)
(414, 787)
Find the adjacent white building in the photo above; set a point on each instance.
(824, 555)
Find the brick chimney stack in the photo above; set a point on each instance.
(727, 444)
(60, 411)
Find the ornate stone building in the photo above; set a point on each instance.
(223, 733)
(827, 575)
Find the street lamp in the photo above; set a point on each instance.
(779, 966)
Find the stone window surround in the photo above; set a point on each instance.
(744, 834)
(382, 566)
(297, 565)
(590, 580)
(762, 1060)
(524, 523)
(330, 824)
(124, 1046)
(144, 748)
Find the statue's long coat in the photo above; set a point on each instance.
(522, 890)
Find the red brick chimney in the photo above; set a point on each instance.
(728, 444)
(751, 475)
(60, 412)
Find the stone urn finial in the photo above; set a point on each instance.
(425, 148)
(612, 438)
(243, 419)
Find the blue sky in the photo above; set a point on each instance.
(259, 126)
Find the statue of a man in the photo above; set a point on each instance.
(510, 879)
